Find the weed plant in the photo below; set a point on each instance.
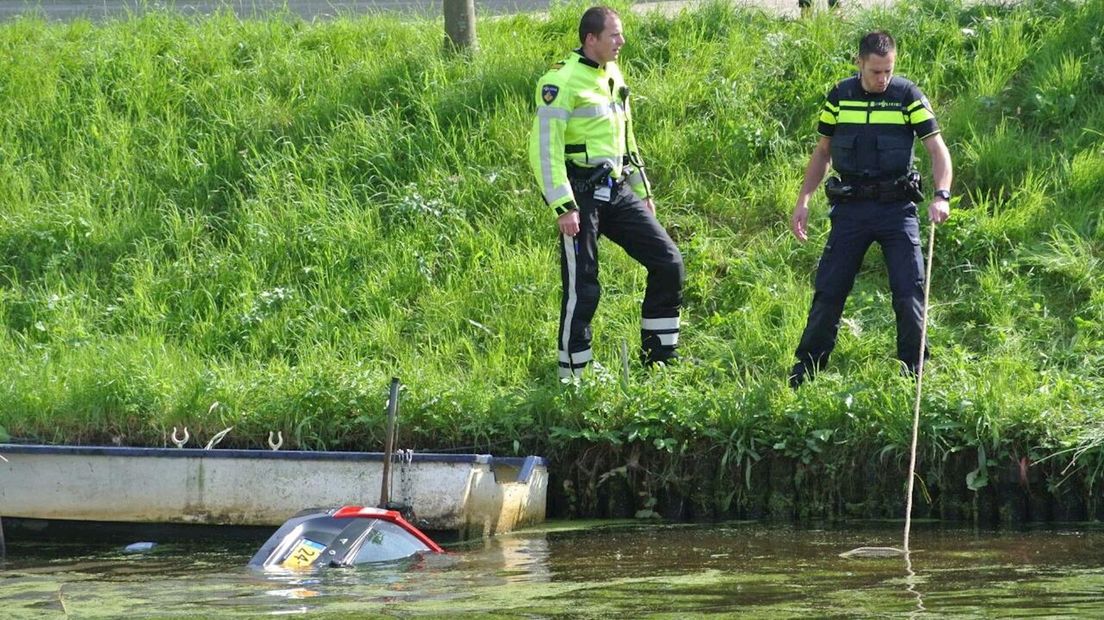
(215, 222)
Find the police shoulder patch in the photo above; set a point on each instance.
(549, 92)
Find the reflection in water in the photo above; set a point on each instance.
(636, 570)
(910, 583)
(521, 559)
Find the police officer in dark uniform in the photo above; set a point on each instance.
(584, 156)
(867, 127)
(806, 6)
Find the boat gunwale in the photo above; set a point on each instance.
(525, 463)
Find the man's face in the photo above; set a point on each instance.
(876, 71)
(607, 44)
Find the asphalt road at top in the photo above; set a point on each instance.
(99, 10)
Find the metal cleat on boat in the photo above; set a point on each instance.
(179, 441)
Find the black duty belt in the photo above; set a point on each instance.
(585, 179)
(905, 187)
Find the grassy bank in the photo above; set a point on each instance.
(256, 224)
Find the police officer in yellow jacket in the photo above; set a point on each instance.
(867, 129)
(583, 152)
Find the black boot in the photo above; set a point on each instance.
(664, 357)
(910, 371)
(798, 375)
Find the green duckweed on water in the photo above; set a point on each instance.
(214, 222)
(650, 570)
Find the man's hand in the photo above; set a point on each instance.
(819, 163)
(799, 221)
(649, 204)
(569, 223)
(939, 210)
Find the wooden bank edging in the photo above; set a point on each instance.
(627, 481)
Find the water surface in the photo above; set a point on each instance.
(675, 571)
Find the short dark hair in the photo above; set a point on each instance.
(594, 21)
(877, 42)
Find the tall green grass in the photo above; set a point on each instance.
(257, 223)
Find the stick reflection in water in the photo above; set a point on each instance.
(911, 581)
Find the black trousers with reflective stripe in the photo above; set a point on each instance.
(855, 226)
(628, 223)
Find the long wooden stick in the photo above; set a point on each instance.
(919, 383)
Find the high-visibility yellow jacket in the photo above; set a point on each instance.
(583, 117)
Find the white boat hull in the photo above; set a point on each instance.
(253, 487)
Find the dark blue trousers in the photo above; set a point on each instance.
(855, 225)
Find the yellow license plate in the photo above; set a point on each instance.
(303, 554)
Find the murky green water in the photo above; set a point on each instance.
(625, 571)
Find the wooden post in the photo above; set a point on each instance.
(389, 443)
(460, 25)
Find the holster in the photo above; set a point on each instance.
(912, 185)
(837, 191)
(584, 180)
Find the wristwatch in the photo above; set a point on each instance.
(945, 194)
